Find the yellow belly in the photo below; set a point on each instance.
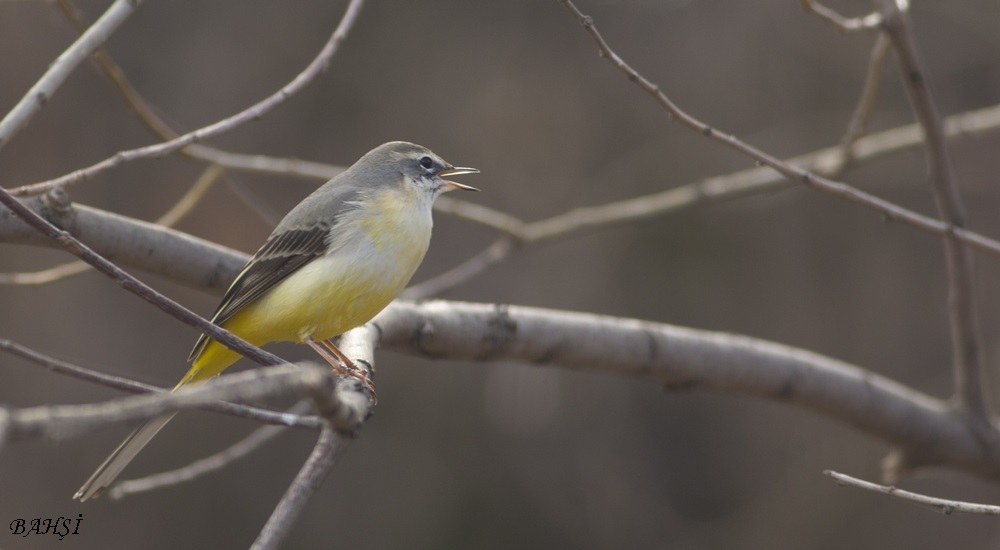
(331, 294)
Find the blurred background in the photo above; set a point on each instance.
(497, 456)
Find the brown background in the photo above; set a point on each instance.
(506, 455)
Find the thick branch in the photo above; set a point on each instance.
(129, 242)
(134, 285)
(675, 356)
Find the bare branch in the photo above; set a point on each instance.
(60, 69)
(797, 174)
(843, 24)
(674, 356)
(209, 464)
(130, 242)
(346, 420)
(45, 276)
(869, 93)
(81, 373)
(962, 316)
(942, 505)
(133, 285)
(62, 421)
(254, 112)
(180, 209)
(328, 450)
(204, 264)
(141, 107)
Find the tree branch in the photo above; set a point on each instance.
(317, 66)
(62, 421)
(352, 409)
(207, 465)
(945, 506)
(869, 93)
(794, 173)
(962, 316)
(843, 24)
(178, 211)
(126, 384)
(183, 258)
(329, 448)
(60, 69)
(134, 285)
(141, 107)
(674, 356)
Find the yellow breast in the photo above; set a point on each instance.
(375, 249)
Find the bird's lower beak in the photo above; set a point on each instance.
(453, 185)
(455, 171)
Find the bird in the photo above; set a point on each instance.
(331, 264)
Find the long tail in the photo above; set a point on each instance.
(112, 466)
(212, 359)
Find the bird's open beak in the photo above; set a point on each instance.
(455, 171)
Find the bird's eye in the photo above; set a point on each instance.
(426, 162)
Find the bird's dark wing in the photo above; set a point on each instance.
(281, 255)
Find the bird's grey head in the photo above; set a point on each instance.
(404, 163)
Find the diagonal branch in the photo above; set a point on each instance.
(61, 421)
(797, 174)
(62, 367)
(134, 285)
(869, 93)
(317, 66)
(178, 211)
(207, 465)
(147, 115)
(60, 69)
(329, 448)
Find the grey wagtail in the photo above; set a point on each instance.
(337, 259)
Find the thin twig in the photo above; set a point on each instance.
(209, 464)
(843, 24)
(135, 286)
(962, 316)
(942, 505)
(62, 421)
(147, 115)
(889, 210)
(45, 276)
(869, 93)
(89, 375)
(60, 69)
(318, 65)
(329, 448)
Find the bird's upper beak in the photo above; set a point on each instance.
(455, 171)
